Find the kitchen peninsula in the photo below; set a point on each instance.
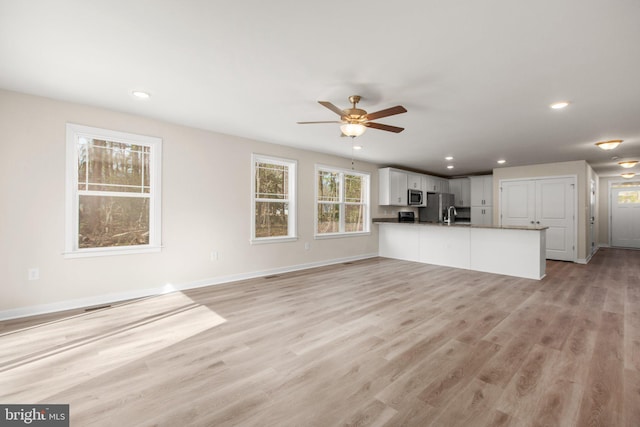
(513, 251)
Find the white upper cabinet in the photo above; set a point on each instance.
(414, 181)
(428, 184)
(461, 189)
(444, 185)
(433, 184)
(481, 190)
(392, 185)
(395, 183)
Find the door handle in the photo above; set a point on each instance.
(532, 222)
(537, 222)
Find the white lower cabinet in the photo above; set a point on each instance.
(481, 215)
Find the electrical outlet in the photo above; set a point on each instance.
(307, 246)
(33, 273)
(214, 256)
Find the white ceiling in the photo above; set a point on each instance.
(476, 77)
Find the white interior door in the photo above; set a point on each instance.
(547, 202)
(625, 217)
(555, 198)
(518, 203)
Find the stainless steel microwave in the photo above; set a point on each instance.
(415, 197)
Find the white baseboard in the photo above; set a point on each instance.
(587, 259)
(604, 245)
(123, 296)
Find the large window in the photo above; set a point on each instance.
(113, 192)
(342, 202)
(274, 199)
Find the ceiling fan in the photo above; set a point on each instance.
(354, 121)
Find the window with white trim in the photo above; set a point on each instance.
(273, 189)
(342, 202)
(113, 192)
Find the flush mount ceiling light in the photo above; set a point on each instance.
(628, 175)
(357, 147)
(609, 145)
(502, 161)
(449, 158)
(628, 164)
(450, 167)
(352, 129)
(559, 105)
(140, 94)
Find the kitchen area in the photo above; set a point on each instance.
(449, 222)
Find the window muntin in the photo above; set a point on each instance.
(273, 192)
(113, 192)
(113, 166)
(342, 202)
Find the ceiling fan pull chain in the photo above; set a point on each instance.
(353, 149)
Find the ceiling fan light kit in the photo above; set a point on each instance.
(355, 121)
(352, 129)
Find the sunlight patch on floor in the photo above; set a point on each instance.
(50, 358)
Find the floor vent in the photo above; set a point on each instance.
(347, 263)
(273, 276)
(97, 308)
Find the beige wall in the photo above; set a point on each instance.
(579, 168)
(206, 207)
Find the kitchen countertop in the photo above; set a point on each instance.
(467, 225)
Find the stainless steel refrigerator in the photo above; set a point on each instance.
(437, 205)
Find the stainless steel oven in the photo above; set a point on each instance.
(415, 197)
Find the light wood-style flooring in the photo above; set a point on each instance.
(377, 342)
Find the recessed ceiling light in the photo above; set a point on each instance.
(357, 147)
(559, 105)
(501, 161)
(628, 175)
(628, 164)
(140, 94)
(609, 145)
(448, 158)
(450, 167)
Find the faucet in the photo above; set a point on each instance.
(448, 218)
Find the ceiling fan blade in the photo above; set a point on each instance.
(398, 109)
(313, 123)
(383, 127)
(332, 107)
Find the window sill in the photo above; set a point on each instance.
(98, 252)
(340, 235)
(273, 240)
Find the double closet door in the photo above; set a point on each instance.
(548, 202)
